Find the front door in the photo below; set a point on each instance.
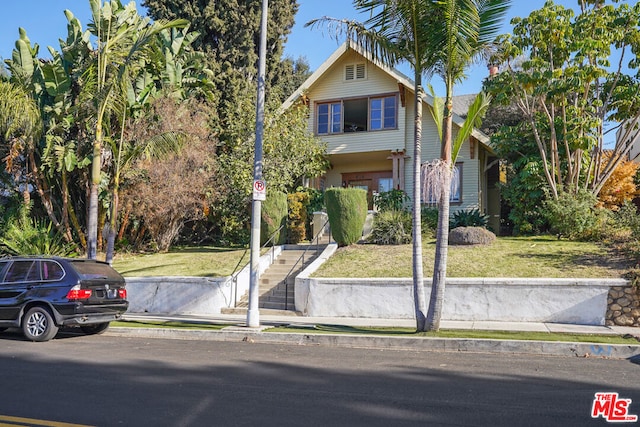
(371, 182)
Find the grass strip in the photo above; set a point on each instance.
(169, 324)
(398, 332)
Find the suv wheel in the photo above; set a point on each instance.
(98, 328)
(38, 325)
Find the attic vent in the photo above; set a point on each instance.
(355, 72)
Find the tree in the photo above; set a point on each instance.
(619, 188)
(20, 128)
(124, 40)
(398, 30)
(574, 88)
(467, 30)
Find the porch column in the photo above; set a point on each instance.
(397, 171)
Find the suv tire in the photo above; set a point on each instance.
(38, 325)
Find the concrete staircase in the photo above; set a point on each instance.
(277, 283)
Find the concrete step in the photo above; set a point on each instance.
(262, 311)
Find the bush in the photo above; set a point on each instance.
(273, 216)
(29, 236)
(468, 218)
(347, 211)
(297, 222)
(429, 217)
(471, 236)
(572, 215)
(391, 227)
(393, 200)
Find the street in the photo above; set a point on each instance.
(114, 381)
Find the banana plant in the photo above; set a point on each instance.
(123, 39)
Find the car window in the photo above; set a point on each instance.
(95, 270)
(51, 270)
(20, 271)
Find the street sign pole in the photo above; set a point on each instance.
(253, 314)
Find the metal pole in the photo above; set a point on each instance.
(253, 314)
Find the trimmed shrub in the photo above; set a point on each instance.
(297, 223)
(471, 236)
(273, 216)
(347, 211)
(391, 227)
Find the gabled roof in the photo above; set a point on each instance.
(392, 72)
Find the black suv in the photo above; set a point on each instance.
(40, 294)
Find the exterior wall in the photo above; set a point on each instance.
(369, 150)
(333, 87)
(431, 147)
(624, 306)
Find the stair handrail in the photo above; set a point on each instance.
(236, 272)
(317, 248)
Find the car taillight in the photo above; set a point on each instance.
(122, 293)
(76, 293)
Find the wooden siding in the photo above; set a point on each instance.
(471, 171)
(333, 87)
(368, 151)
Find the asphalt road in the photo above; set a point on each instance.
(115, 381)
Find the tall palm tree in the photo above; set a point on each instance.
(124, 39)
(467, 31)
(399, 30)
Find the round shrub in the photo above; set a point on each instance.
(471, 236)
(347, 211)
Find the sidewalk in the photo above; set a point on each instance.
(237, 331)
(271, 320)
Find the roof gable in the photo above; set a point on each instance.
(408, 83)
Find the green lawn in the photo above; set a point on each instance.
(543, 256)
(205, 261)
(506, 257)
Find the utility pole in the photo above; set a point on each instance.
(253, 314)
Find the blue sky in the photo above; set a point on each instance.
(45, 23)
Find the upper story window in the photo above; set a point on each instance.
(355, 71)
(357, 115)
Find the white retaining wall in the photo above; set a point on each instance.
(578, 301)
(191, 295)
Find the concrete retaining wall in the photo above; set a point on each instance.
(191, 295)
(578, 301)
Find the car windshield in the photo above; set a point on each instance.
(94, 270)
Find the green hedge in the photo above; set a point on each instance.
(347, 211)
(273, 215)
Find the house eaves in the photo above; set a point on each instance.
(408, 83)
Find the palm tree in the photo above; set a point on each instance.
(399, 30)
(124, 40)
(466, 32)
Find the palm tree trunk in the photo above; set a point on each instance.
(436, 300)
(418, 271)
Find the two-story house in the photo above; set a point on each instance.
(364, 111)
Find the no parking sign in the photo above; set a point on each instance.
(259, 190)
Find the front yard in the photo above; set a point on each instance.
(507, 257)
